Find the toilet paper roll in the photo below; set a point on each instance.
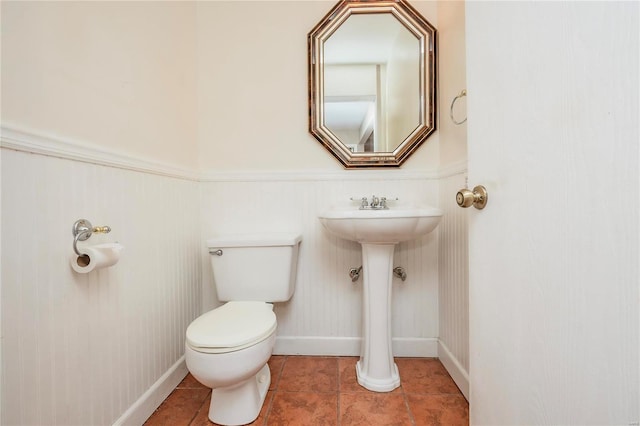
(96, 257)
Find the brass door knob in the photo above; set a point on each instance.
(478, 198)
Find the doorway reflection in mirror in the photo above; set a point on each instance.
(371, 87)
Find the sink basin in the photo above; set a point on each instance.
(378, 231)
(390, 226)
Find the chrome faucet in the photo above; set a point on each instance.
(376, 203)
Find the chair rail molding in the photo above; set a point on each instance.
(26, 141)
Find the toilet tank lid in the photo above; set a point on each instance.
(255, 240)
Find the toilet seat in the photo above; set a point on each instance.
(233, 326)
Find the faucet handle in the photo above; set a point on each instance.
(385, 200)
(362, 200)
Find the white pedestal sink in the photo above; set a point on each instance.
(378, 231)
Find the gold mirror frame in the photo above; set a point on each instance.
(426, 35)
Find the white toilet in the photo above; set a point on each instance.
(227, 349)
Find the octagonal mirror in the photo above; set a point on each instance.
(372, 82)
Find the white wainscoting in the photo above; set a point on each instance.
(84, 349)
(453, 303)
(326, 305)
(107, 347)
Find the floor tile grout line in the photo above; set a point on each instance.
(193, 418)
(339, 388)
(274, 390)
(268, 411)
(404, 399)
(406, 404)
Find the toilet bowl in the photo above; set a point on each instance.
(227, 349)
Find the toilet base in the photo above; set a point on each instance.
(240, 404)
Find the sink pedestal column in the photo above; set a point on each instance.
(376, 369)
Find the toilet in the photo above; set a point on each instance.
(227, 349)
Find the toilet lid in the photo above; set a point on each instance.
(231, 326)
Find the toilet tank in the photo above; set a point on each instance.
(257, 267)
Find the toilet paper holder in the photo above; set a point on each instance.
(83, 229)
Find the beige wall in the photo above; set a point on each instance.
(252, 79)
(252, 87)
(212, 85)
(119, 75)
(451, 80)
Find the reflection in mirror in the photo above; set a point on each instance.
(353, 120)
(372, 82)
(371, 87)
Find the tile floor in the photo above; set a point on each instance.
(323, 391)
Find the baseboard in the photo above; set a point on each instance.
(350, 346)
(140, 411)
(330, 346)
(455, 369)
(421, 347)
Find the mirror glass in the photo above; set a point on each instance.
(371, 87)
(372, 82)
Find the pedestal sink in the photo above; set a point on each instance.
(378, 231)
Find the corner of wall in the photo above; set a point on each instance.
(453, 299)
